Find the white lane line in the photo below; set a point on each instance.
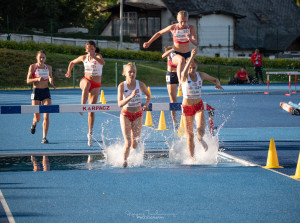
(236, 159)
(247, 163)
(6, 209)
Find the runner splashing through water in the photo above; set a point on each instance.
(192, 104)
(131, 118)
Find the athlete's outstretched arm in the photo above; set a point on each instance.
(156, 35)
(72, 63)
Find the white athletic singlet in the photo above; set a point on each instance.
(92, 67)
(44, 73)
(137, 100)
(191, 89)
(179, 35)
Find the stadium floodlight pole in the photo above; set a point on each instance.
(51, 29)
(121, 24)
(7, 22)
(228, 41)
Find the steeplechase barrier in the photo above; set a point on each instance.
(73, 108)
(76, 108)
(290, 73)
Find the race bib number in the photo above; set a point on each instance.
(181, 34)
(44, 73)
(91, 69)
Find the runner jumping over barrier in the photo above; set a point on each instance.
(183, 33)
(91, 82)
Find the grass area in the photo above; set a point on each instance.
(14, 67)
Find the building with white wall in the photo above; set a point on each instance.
(224, 28)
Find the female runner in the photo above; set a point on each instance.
(131, 117)
(91, 82)
(192, 104)
(39, 74)
(183, 33)
(172, 80)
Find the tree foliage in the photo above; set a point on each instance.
(25, 15)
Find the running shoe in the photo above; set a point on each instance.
(32, 129)
(90, 139)
(45, 141)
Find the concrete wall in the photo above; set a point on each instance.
(166, 20)
(108, 30)
(73, 30)
(69, 41)
(153, 2)
(216, 35)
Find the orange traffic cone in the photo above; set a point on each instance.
(148, 121)
(101, 96)
(103, 100)
(149, 92)
(297, 173)
(162, 122)
(179, 92)
(272, 161)
(181, 128)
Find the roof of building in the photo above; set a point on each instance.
(267, 24)
(144, 6)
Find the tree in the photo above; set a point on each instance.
(93, 17)
(28, 14)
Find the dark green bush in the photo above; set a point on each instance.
(145, 55)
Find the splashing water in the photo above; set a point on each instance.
(179, 151)
(228, 117)
(114, 155)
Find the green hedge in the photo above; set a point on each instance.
(275, 63)
(145, 55)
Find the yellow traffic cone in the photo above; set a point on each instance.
(181, 128)
(149, 92)
(272, 161)
(103, 100)
(101, 96)
(162, 122)
(179, 92)
(148, 121)
(297, 173)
